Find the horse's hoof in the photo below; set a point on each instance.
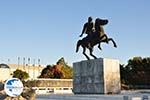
(99, 47)
(115, 46)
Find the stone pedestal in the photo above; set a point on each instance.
(97, 76)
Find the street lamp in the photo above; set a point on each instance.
(18, 62)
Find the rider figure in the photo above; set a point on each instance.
(88, 27)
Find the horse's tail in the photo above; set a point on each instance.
(78, 45)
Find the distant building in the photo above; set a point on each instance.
(54, 86)
(6, 71)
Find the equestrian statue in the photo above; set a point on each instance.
(95, 35)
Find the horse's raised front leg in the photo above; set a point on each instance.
(110, 39)
(84, 49)
(105, 38)
(99, 46)
(91, 50)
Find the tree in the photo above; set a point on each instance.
(47, 72)
(60, 70)
(136, 72)
(122, 72)
(22, 75)
(51, 72)
(67, 71)
(61, 61)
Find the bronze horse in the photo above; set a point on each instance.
(95, 38)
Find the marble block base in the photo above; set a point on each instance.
(97, 76)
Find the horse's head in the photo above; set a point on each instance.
(101, 21)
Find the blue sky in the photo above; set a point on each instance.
(49, 29)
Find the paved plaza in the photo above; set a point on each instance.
(135, 95)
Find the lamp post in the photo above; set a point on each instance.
(39, 66)
(24, 63)
(18, 62)
(28, 65)
(8, 61)
(33, 68)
